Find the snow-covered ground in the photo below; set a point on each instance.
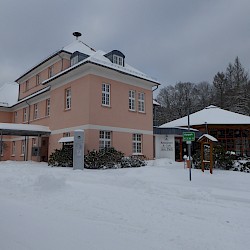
(153, 207)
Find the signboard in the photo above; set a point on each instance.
(188, 136)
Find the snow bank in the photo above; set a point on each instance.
(152, 207)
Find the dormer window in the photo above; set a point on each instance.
(76, 57)
(118, 60)
(74, 60)
(116, 57)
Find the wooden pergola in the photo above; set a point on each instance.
(207, 142)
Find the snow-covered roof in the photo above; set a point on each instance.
(156, 103)
(210, 137)
(8, 94)
(23, 129)
(97, 57)
(210, 115)
(80, 46)
(66, 139)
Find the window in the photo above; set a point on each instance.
(66, 134)
(33, 142)
(106, 94)
(38, 80)
(35, 111)
(141, 102)
(13, 148)
(47, 112)
(68, 99)
(137, 143)
(27, 85)
(118, 60)
(23, 147)
(132, 100)
(105, 139)
(15, 116)
(74, 60)
(25, 115)
(51, 71)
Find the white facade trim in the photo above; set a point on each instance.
(99, 127)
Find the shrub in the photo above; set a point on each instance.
(242, 166)
(61, 158)
(133, 161)
(221, 158)
(104, 158)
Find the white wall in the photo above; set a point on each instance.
(165, 146)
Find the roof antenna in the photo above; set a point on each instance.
(77, 34)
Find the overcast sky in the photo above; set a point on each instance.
(170, 40)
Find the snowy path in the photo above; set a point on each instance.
(154, 207)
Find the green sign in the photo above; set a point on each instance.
(188, 136)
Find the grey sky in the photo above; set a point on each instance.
(171, 40)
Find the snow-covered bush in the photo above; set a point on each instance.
(242, 166)
(221, 158)
(61, 158)
(133, 161)
(104, 158)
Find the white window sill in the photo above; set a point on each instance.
(13, 155)
(137, 154)
(21, 155)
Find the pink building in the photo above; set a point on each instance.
(77, 88)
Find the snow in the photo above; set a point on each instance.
(8, 94)
(98, 57)
(66, 139)
(147, 208)
(210, 137)
(210, 115)
(24, 127)
(78, 45)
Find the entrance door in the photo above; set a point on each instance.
(178, 149)
(44, 149)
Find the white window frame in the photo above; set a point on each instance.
(50, 71)
(15, 116)
(24, 114)
(22, 147)
(13, 150)
(38, 79)
(137, 143)
(106, 94)
(68, 99)
(74, 60)
(131, 101)
(118, 60)
(104, 139)
(66, 134)
(35, 111)
(141, 102)
(34, 142)
(27, 85)
(48, 107)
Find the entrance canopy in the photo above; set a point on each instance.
(23, 129)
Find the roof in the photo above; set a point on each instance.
(66, 139)
(210, 115)
(23, 129)
(156, 103)
(96, 57)
(80, 46)
(8, 94)
(209, 137)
